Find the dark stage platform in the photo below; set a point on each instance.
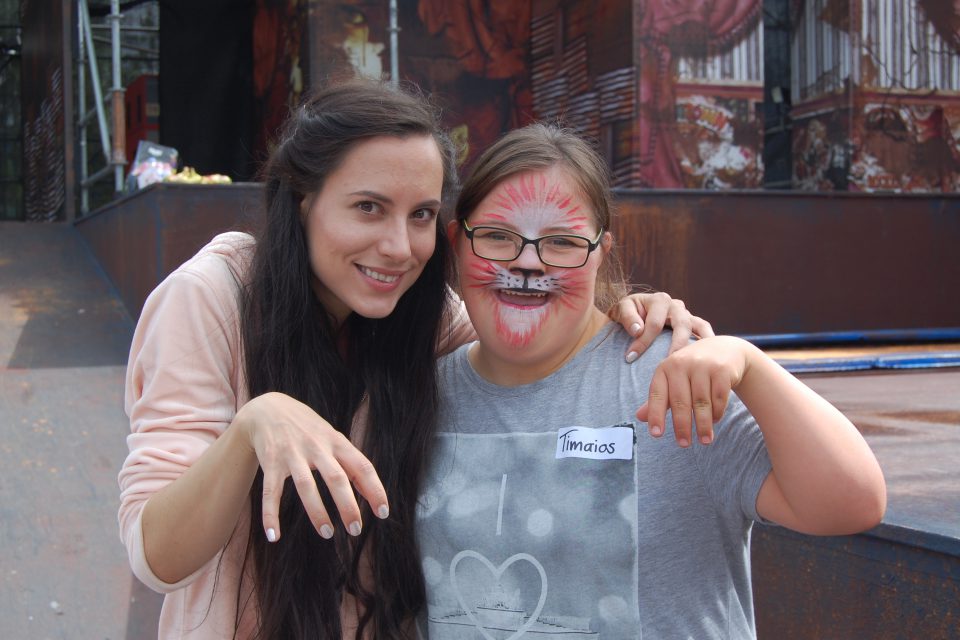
(64, 332)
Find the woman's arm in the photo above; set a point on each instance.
(193, 456)
(644, 316)
(187, 522)
(825, 480)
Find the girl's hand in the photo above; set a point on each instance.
(694, 383)
(644, 315)
(291, 440)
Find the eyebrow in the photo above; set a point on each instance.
(551, 230)
(382, 198)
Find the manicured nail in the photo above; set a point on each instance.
(634, 328)
(354, 528)
(326, 531)
(383, 511)
(271, 535)
(632, 356)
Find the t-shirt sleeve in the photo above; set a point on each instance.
(180, 391)
(458, 330)
(735, 465)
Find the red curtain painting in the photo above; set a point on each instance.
(666, 30)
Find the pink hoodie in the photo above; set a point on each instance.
(184, 385)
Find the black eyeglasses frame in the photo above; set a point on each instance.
(591, 244)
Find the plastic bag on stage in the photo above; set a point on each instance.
(153, 163)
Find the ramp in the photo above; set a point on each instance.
(64, 337)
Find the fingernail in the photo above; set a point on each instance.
(634, 328)
(657, 431)
(705, 439)
(271, 535)
(683, 442)
(354, 528)
(632, 356)
(383, 511)
(326, 531)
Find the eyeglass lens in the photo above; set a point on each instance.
(555, 250)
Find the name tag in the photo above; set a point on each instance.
(608, 443)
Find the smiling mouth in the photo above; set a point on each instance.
(523, 297)
(376, 275)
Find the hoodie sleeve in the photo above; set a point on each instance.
(183, 387)
(458, 329)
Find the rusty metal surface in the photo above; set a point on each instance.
(800, 262)
(64, 337)
(912, 422)
(853, 587)
(142, 237)
(902, 579)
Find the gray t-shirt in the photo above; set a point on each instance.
(548, 511)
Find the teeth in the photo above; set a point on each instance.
(531, 294)
(382, 277)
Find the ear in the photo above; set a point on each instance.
(606, 242)
(305, 204)
(453, 230)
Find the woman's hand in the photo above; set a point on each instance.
(694, 383)
(644, 315)
(289, 439)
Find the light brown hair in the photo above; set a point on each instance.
(541, 146)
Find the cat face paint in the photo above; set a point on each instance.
(519, 301)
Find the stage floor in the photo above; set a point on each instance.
(63, 340)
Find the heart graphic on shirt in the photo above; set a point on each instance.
(497, 572)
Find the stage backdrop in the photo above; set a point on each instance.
(672, 91)
(206, 84)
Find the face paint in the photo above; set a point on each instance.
(535, 205)
(525, 294)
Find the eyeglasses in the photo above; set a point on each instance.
(566, 251)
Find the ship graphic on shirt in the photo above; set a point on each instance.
(516, 544)
(499, 616)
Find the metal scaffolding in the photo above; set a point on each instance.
(112, 132)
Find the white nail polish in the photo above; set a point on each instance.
(271, 535)
(326, 531)
(383, 511)
(634, 328)
(632, 357)
(354, 528)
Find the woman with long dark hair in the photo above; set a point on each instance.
(271, 379)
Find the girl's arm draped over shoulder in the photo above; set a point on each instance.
(824, 481)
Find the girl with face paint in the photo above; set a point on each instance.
(544, 497)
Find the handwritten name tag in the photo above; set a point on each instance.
(608, 443)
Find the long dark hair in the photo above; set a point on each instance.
(292, 346)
